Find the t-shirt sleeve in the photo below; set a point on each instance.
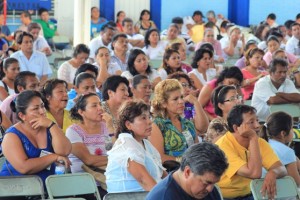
(290, 87)
(73, 136)
(234, 160)
(269, 157)
(262, 90)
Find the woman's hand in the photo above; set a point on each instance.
(109, 122)
(40, 122)
(191, 99)
(103, 61)
(64, 161)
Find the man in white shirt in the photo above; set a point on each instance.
(274, 89)
(293, 44)
(39, 42)
(30, 60)
(136, 40)
(105, 37)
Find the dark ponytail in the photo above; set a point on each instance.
(275, 123)
(263, 132)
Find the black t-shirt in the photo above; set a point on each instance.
(168, 189)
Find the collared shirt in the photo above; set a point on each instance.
(94, 45)
(37, 63)
(291, 44)
(118, 61)
(40, 43)
(231, 184)
(176, 142)
(263, 90)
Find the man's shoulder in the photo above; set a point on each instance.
(162, 190)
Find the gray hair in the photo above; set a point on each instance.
(204, 157)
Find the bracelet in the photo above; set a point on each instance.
(52, 124)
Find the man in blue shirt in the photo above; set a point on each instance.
(201, 167)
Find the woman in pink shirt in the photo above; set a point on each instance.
(229, 76)
(251, 73)
(273, 45)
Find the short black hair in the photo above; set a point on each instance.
(41, 10)
(128, 20)
(86, 67)
(116, 37)
(22, 35)
(177, 20)
(288, 24)
(105, 27)
(277, 62)
(21, 80)
(199, 55)
(235, 116)
(81, 48)
(230, 72)
(147, 35)
(271, 16)
(26, 14)
(112, 83)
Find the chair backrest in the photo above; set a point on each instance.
(65, 185)
(292, 109)
(286, 188)
(155, 63)
(29, 185)
(126, 196)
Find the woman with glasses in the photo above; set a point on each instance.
(171, 133)
(209, 38)
(138, 64)
(252, 72)
(224, 98)
(229, 76)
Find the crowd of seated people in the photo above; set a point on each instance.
(109, 106)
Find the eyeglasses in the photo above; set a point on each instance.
(234, 98)
(186, 85)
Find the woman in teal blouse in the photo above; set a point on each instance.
(171, 133)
